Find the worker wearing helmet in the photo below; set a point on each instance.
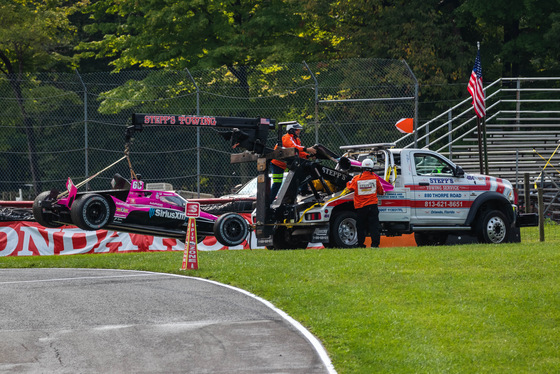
(290, 140)
(366, 187)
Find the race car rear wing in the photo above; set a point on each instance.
(248, 133)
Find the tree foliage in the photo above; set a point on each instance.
(436, 38)
(33, 36)
(520, 34)
(178, 34)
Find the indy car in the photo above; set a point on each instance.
(129, 207)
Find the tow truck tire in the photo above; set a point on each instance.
(38, 212)
(494, 228)
(90, 212)
(344, 230)
(430, 238)
(231, 229)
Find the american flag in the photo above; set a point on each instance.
(475, 88)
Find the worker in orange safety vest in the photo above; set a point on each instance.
(366, 187)
(277, 167)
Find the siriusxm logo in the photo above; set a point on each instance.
(166, 214)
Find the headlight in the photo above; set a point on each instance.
(511, 196)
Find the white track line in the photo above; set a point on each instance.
(77, 278)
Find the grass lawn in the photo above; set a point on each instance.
(451, 309)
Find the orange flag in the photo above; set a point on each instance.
(405, 125)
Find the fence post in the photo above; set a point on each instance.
(516, 170)
(416, 90)
(316, 102)
(541, 214)
(197, 135)
(85, 127)
(526, 192)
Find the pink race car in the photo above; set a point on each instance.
(128, 207)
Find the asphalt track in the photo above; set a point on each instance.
(116, 321)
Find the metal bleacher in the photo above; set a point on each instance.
(522, 128)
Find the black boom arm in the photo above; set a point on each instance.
(248, 133)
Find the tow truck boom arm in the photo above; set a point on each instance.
(248, 133)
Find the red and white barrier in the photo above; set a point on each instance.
(22, 238)
(25, 238)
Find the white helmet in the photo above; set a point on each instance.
(294, 125)
(367, 163)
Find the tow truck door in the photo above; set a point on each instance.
(438, 195)
(393, 205)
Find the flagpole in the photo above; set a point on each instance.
(479, 144)
(484, 134)
(480, 141)
(476, 89)
(485, 146)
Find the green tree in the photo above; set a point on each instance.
(204, 34)
(421, 32)
(519, 38)
(34, 36)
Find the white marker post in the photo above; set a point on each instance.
(190, 256)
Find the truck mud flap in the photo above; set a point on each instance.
(320, 234)
(527, 220)
(265, 241)
(514, 235)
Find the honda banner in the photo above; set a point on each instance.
(24, 238)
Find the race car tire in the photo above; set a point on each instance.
(90, 212)
(231, 229)
(40, 215)
(344, 230)
(494, 228)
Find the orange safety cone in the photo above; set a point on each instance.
(190, 256)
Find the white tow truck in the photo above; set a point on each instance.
(426, 194)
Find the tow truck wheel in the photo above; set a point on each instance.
(231, 229)
(38, 213)
(344, 231)
(90, 212)
(493, 228)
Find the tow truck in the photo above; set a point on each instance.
(426, 194)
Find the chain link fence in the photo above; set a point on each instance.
(55, 126)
